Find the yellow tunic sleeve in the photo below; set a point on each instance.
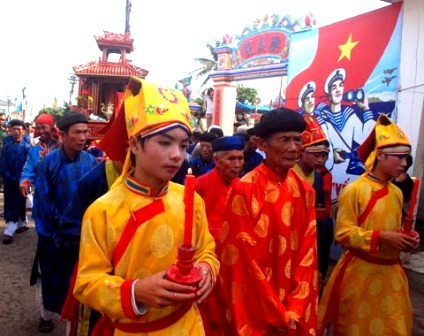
(352, 203)
(95, 286)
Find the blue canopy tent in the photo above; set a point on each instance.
(249, 108)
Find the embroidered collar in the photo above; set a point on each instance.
(138, 188)
(374, 178)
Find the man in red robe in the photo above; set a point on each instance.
(213, 188)
(267, 251)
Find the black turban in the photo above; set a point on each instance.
(70, 118)
(207, 137)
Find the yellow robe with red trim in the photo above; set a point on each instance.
(268, 255)
(152, 249)
(374, 299)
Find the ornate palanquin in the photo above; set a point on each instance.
(101, 81)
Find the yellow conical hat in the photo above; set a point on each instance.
(149, 108)
(387, 136)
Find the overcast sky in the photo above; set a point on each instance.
(42, 40)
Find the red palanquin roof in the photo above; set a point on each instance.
(99, 68)
(115, 40)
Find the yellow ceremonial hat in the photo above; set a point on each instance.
(147, 110)
(386, 136)
(313, 137)
(150, 109)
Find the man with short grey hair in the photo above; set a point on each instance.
(268, 252)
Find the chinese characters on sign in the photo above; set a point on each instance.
(266, 43)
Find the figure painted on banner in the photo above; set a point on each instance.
(130, 235)
(367, 292)
(306, 100)
(267, 248)
(209, 94)
(13, 157)
(313, 157)
(345, 126)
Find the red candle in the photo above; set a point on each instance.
(189, 208)
(414, 196)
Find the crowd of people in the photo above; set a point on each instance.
(259, 235)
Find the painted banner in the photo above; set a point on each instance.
(346, 74)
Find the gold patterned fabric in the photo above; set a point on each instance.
(213, 189)
(152, 249)
(268, 255)
(374, 298)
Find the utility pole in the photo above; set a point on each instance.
(23, 102)
(8, 108)
(72, 80)
(127, 16)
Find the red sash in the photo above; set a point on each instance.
(135, 221)
(105, 326)
(71, 306)
(335, 294)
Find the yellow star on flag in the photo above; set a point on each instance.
(347, 48)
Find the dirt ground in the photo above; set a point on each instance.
(19, 313)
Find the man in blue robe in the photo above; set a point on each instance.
(13, 156)
(59, 173)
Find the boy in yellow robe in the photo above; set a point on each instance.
(367, 293)
(130, 236)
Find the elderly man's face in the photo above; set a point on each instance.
(282, 150)
(229, 164)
